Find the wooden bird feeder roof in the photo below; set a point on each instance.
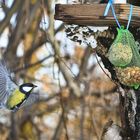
(92, 14)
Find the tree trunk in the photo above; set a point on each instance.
(129, 98)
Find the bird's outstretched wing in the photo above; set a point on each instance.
(6, 84)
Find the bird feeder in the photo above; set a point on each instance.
(129, 74)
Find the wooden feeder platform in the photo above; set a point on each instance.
(92, 14)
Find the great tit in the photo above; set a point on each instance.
(12, 97)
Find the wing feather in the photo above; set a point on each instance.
(3, 76)
(5, 82)
(33, 97)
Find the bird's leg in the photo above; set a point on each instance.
(15, 109)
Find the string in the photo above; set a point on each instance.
(108, 7)
(114, 14)
(110, 4)
(130, 16)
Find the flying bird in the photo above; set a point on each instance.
(12, 96)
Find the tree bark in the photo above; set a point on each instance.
(129, 98)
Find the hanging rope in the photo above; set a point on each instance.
(110, 4)
(130, 16)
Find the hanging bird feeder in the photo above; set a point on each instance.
(124, 52)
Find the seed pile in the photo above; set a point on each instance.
(120, 55)
(129, 76)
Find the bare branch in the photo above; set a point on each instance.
(27, 66)
(10, 12)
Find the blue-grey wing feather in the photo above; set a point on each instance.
(6, 84)
(33, 97)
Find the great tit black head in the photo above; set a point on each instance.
(26, 88)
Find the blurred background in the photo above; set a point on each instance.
(36, 49)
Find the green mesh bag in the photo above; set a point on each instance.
(136, 55)
(124, 55)
(124, 51)
(120, 53)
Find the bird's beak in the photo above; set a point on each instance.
(35, 86)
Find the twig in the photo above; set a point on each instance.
(13, 132)
(118, 85)
(9, 14)
(84, 63)
(27, 66)
(93, 122)
(94, 125)
(82, 118)
(58, 129)
(63, 110)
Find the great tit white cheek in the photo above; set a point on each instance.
(27, 89)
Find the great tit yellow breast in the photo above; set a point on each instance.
(15, 98)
